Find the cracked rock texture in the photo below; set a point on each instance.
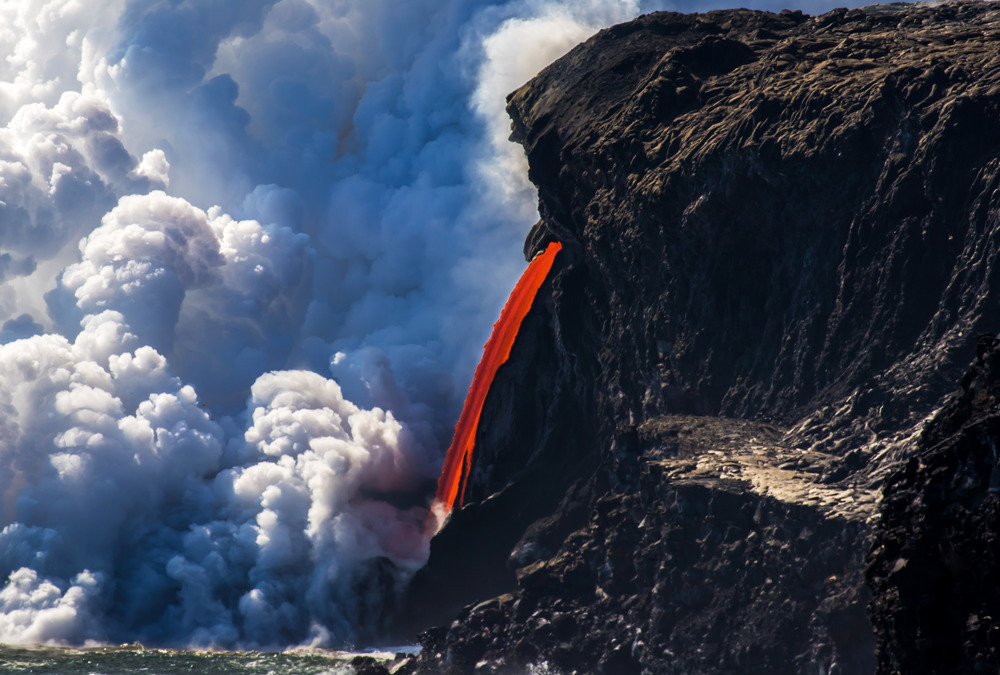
(935, 568)
(780, 236)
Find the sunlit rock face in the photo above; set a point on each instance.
(779, 239)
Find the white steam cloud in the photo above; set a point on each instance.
(249, 252)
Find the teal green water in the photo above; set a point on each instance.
(131, 659)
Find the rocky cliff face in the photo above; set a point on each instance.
(780, 234)
(935, 566)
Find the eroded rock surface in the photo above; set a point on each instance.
(780, 235)
(935, 566)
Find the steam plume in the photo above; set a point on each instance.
(248, 254)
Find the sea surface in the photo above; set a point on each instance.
(130, 659)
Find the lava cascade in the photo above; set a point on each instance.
(455, 473)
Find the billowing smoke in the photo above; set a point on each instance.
(249, 254)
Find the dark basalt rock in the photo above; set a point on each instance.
(366, 665)
(780, 235)
(689, 557)
(935, 568)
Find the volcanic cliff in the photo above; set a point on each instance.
(741, 389)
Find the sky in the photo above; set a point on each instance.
(249, 254)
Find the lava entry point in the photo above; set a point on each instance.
(458, 461)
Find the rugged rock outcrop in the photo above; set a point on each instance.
(935, 568)
(780, 237)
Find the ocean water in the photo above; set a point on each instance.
(132, 659)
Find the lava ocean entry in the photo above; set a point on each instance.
(455, 472)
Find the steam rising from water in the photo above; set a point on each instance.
(249, 252)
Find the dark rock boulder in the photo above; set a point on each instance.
(780, 235)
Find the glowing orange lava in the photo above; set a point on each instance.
(455, 473)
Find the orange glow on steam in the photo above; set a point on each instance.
(455, 473)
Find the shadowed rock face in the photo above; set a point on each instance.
(780, 234)
(935, 568)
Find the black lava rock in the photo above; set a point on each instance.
(780, 234)
(935, 564)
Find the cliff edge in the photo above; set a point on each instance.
(780, 236)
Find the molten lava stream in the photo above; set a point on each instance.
(455, 473)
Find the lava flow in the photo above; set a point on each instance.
(455, 473)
